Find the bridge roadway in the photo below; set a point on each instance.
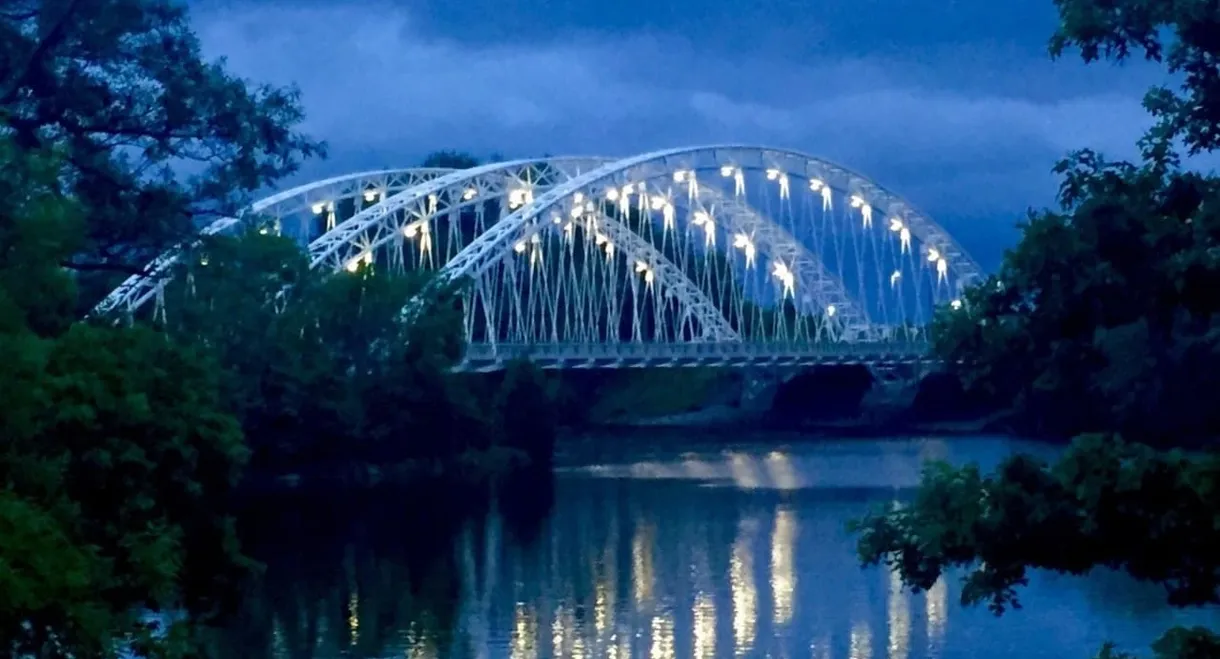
(485, 357)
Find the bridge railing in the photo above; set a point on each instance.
(703, 352)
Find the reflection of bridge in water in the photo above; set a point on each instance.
(737, 255)
(674, 570)
(700, 554)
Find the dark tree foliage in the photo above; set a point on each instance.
(153, 139)
(450, 159)
(323, 369)
(1104, 317)
(116, 462)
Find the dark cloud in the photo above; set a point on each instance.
(967, 124)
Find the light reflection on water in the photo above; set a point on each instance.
(701, 550)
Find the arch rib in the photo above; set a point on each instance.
(922, 227)
(818, 284)
(486, 181)
(137, 290)
(692, 300)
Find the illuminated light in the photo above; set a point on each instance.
(739, 182)
(263, 231)
(743, 590)
(577, 212)
(469, 194)
(680, 176)
(956, 304)
(866, 212)
(648, 277)
(643, 578)
(640, 266)
(742, 241)
(662, 646)
(895, 278)
(726, 170)
(936, 614)
(609, 250)
(895, 224)
(535, 239)
(568, 228)
(904, 237)
(516, 197)
(831, 310)
(519, 247)
(709, 233)
(589, 206)
(599, 238)
(578, 198)
(772, 174)
(628, 189)
(827, 198)
(704, 614)
(203, 260)
(942, 270)
(700, 217)
(555, 218)
(783, 570)
(860, 643)
(783, 186)
(857, 201)
(657, 203)
(370, 195)
(933, 255)
(525, 633)
(410, 230)
(612, 194)
(898, 619)
(815, 184)
(318, 208)
(785, 277)
(432, 203)
(667, 214)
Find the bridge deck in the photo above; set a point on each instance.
(483, 357)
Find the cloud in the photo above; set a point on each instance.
(383, 91)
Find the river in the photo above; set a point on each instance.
(655, 545)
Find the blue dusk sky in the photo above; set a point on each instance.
(951, 103)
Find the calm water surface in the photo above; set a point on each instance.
(658, 546)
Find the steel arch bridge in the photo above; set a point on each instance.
(711, 255)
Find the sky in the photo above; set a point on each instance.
(954, 104)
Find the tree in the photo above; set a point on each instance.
(450, 159)
(152, 139)
(117, 458)
(1103, 317)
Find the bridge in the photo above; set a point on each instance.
(725, 255)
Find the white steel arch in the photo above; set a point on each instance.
(820, 288)
(409, 211)
(318, 196)
(658, 163)
(941, 250)
(378, 224)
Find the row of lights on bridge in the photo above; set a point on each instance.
(520, 197)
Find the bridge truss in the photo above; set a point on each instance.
(730, 255)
